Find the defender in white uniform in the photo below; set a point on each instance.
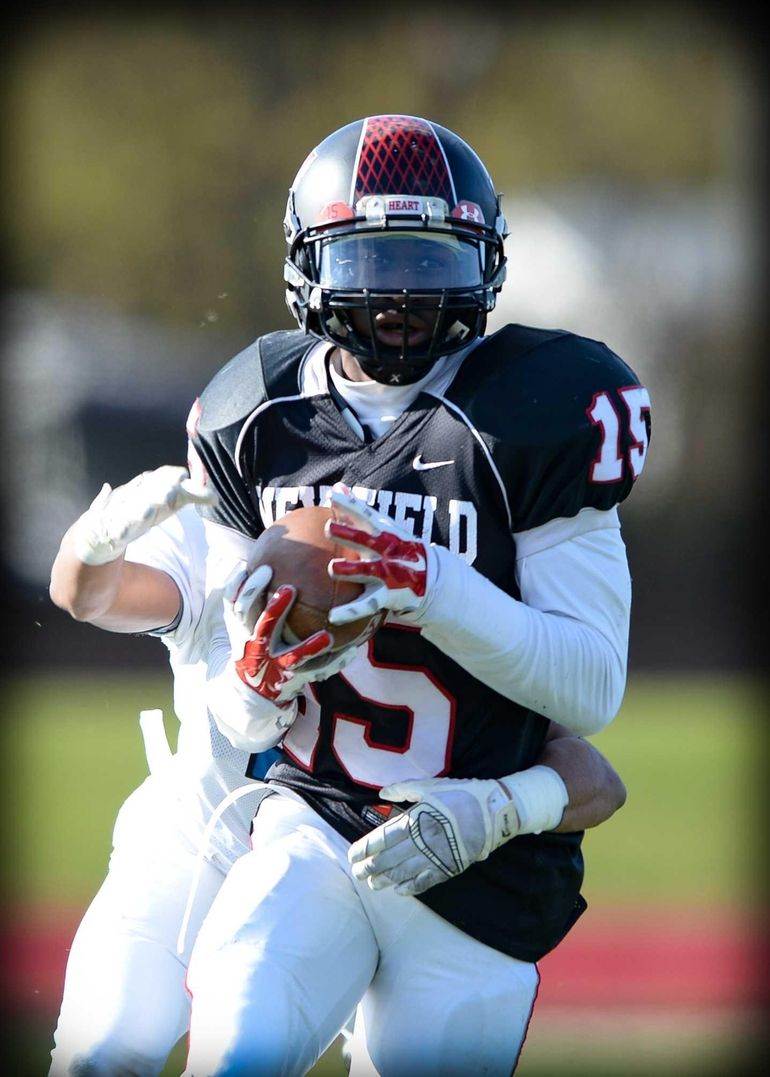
(125, 1002)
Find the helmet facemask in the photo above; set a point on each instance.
(398, 294)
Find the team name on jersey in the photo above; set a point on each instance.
(422, 515)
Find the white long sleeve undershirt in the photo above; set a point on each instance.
(562, 650)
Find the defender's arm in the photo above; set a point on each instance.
(92, 579)
(451, 823)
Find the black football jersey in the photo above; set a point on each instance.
(535, 425)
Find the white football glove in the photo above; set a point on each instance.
(117, 517)
(454, 823)
(396, 569)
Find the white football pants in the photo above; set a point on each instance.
(292, 944)
(125, 999)
(125, 1003)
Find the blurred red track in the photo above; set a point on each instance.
(659, 957)
(664, 958)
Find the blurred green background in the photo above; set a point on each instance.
(147, 153)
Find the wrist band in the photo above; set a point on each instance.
(539, 796)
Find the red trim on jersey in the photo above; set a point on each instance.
(309, 710)
(634, 443)
(338, 716)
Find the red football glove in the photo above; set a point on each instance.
(396, 569)
(262, 660)
(266, 673)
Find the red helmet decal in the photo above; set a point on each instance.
(468, 211)
(401, 155)
(336, 211)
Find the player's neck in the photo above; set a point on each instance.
(346, 364)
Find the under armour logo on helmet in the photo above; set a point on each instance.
(468, 211)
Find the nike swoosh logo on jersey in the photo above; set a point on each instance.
(419, 464)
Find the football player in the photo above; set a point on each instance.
(480, 477)
(138, 561)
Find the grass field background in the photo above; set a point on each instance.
(687, 847)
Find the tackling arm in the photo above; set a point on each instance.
(120, 596)
(595, 790)
(451, 823)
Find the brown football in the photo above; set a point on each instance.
(298, 551)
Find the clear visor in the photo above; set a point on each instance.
(394, 261)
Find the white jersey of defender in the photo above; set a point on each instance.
(125, 999)
(205, 767)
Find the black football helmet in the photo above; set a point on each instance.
(393, 225)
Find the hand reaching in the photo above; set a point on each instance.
(117, 517)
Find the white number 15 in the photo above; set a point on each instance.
(611, 461)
